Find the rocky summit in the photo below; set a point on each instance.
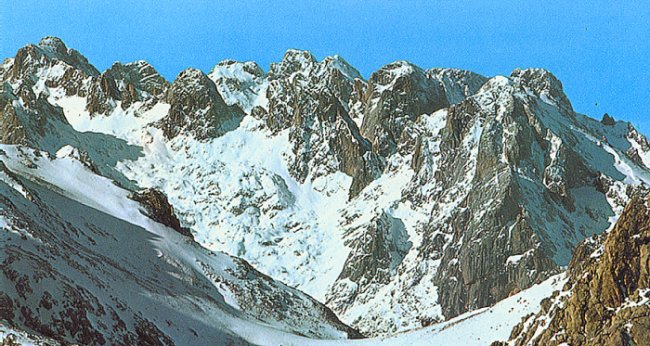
(307, 202)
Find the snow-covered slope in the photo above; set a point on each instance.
(83, 263)
(480, 327)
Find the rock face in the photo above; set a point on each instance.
(312, 101)
(197, 108)
(130, 83)
(398, 93)
(607, 298)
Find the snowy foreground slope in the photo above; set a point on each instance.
(82, 263)
(476, 328)
(414, 198)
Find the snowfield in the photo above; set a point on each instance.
(477, 328)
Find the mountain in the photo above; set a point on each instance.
(413, 198)
(87, 261)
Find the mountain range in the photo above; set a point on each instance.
(308, 205)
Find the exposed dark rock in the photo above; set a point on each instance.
(397, 93)
(643, 146)
(377, 250)
(128, 83)
(50, 49)
(102, 95)
(139, 81)
(499, 211)
(72, 70)
(158, 209)
(546, 85)
(10, 340)
(197, 108)
(607, 120)
(312, 100)
(6, 307)
(293, 61)
(150, 335)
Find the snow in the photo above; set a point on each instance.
(125, 124)
(644, 155)
(23, 339)
(514, 259)
(340, 64)
(228, 296)
(248, 90)
(244, 202)
(396, 70)
(480, 327)
(237, 196)
(68, 177)
(4, 177)
(633, 176)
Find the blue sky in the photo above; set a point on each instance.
(600, 50)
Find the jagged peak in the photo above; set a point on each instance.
(538, 71)
(139, 63)
(230, 68)
(136, 63)
(401, 67)
(453, 71)
(532, 75)
(192, 81)
(191, 73)
(53, 43)
(133, 81)
(31, 56)
(138, 66)
(298, 55)
(544, 84)
(294, 61)
(389, 74)
(337, 62)
(608, 120)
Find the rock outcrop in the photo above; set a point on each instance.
(157, 207)
(126, 83)
(197, 108)
(397, 93)
(608, 120)
(607, 298)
